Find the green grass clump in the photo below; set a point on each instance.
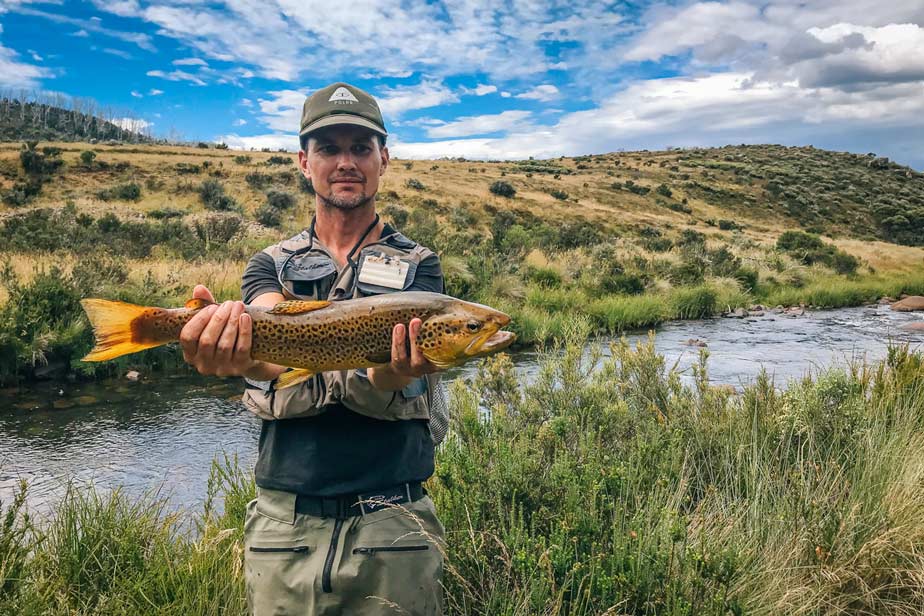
(830, 292)
(617, 313)
(694, 302)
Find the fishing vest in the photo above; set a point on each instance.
(306, 270)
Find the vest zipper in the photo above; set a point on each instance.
(331, 552)
(296, 548)
(394, 548)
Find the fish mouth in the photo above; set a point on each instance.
(491, 342)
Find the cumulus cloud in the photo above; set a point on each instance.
(282, 111)
(430, 93)
(479, 125)
(132, 124)
(177, 76)
(16, 74)
(480, 90)
(190, 62)
(544, 92)
(274, 141)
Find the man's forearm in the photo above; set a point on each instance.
(384, 379)
(264, 371)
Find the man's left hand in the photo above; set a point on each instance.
(404, 366)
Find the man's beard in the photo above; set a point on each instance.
(348, 203)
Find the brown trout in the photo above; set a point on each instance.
(317, 336)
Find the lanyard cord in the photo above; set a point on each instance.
(312, 235)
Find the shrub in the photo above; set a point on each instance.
(664, 190)
(559, 194)
(187, 168)
(844, 263)
(213, 197)
(258, 180)
(543, 276)
(278, 160)
(166, 213)
(202, 145)
(729, 225)
(87, 157)
(396, 214)
(415, 184)
(280, 199)
(503, 189)
(221, 146)
(218, 228)
(123, 192)
(268, 216)
(242, 159)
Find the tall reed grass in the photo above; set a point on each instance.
(607, 486)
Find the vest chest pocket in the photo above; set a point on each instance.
(308, 276)
(379, 272)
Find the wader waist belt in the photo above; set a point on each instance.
(358, 504)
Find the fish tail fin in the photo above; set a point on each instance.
(114, 325)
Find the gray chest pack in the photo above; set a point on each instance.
(306, 271)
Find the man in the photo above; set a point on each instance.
(341, 524)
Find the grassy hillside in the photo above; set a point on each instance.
(626, 239)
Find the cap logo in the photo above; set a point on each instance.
(342, 95)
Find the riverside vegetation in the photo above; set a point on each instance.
(625, 240)
(607, 486)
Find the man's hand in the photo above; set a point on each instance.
(404, 367)
(217, 341)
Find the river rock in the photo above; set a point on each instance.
(795, 311)
(62, 403)
(737, 313)
(757, 308)
(85, 400)
(695, 342)
(909, 304)
(917, 326)
(883, 301)
(756, 313)
(133, 375)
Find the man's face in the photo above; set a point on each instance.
(344, 164)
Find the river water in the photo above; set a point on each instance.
(163, 433)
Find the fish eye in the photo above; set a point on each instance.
(473, 326)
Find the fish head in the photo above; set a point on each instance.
(462, 331)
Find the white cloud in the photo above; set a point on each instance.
(35, 56)
(505, 94)
(81, 34)
(177, 76)
(94, 24)
(283, 111)
(132, 124)
(240, 122)
(430, 93)
(117, 52)
(155, 92)
(479, 125)
(544, 92)
(709, 110)
(137, 94)
(15, 74)
(480, 90)
(190, 62)
(273, 141)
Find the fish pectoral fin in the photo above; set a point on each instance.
(197, 303)
(298, 306)
(379, 358)
(293, 377)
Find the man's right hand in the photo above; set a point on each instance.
(217, 341)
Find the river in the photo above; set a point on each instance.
(163, 433)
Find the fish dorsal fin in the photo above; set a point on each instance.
(297, 306)
(197, 303)
(293, 377)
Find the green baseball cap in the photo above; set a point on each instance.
(341, 103)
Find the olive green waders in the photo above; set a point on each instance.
(385, 562)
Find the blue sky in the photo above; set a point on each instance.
(492, 80)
